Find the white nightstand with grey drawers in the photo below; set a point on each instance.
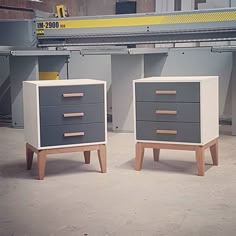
(179, 113)
(65, 116)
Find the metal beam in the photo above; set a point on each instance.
(20, 53)
(177, 27)
(124, 51)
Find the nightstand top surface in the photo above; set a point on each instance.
(65, 82)
(177, 79)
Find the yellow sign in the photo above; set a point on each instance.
(48, 76)
(40, 31)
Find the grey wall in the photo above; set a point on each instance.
(17, 33)
(233, 94)
(13, 33)
(90, 67)
(233, 3)
(154, 64)
(125, 69)
(5, 98)
(4, 69)
(21, 69)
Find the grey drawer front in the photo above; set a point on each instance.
(186, 132)
(54, 135)
(54, 115)
(185, 92)
(49, 96)
(186, 112)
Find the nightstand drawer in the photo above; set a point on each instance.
(168, 131)
(168, 92)
(176, 112)
(83, 113)
(70, 95)
(72, 134)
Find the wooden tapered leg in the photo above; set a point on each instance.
(41, 164)
(139, 156)
(214, 153)
(29, 157)
(87, 157)
(102, 156)
(200, 161)
(156, 154)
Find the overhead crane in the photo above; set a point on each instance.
(176, 27)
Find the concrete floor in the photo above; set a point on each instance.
(165, 198)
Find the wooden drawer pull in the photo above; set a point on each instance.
(80, 114)
(166, 92)
(72, 95)
(166, 112)
(73, 134)
(166, 131)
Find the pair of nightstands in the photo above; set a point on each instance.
(169, 113)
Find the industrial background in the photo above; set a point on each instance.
(103, 63)
(167, 197)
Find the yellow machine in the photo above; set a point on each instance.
(61, 11)
(176, 27)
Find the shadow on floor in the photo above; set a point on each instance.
(53, 168)
(174, 166)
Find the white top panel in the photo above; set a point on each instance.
(176, 79)
(65, 82)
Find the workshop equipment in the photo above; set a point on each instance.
(61, 39)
